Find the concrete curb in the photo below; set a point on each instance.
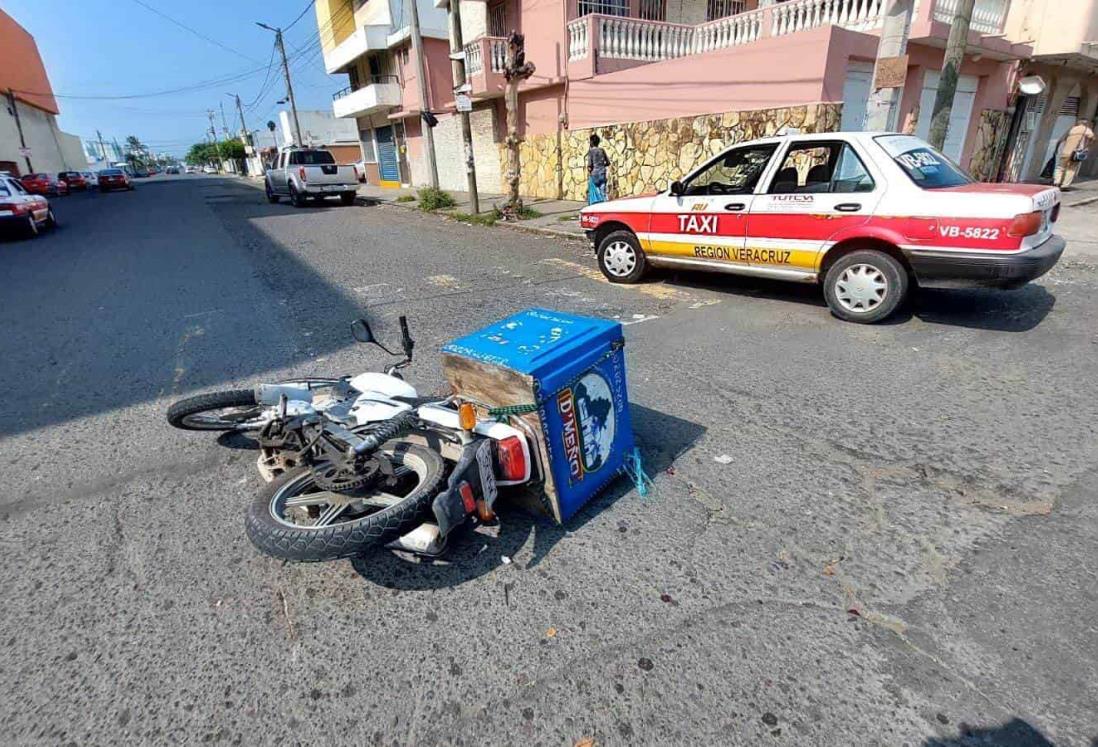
(1080, 203)
(557, 233)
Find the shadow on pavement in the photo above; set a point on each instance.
(996, 310)
(1014, 733)
(158, 292)
(662, 439)
(979, 308)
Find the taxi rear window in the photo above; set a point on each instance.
(922, 163)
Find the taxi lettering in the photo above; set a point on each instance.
(698, 223)
(736, 254)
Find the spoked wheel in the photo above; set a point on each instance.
(294, 519)
(234, 410)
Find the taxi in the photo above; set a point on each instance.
(868, 215)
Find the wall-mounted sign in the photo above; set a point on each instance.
(462, 102)
(891, 72)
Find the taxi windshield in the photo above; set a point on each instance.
(922, 163)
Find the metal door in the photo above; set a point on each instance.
(387, 156)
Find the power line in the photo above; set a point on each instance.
(187, 28)
(184, 89)
(300, 15)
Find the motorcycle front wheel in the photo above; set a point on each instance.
(294, 519)
(232, 410)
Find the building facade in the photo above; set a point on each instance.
(668, 83)
(1064, 37)
(322, 130)
(30, 140)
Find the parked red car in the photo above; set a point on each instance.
(113, 179)
(75, 180)
(44, 184)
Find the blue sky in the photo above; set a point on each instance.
(118, 47)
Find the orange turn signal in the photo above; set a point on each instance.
(467, 416)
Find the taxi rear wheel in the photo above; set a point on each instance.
(620, 257)
(865, 286)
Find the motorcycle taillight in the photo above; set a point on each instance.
(512, 459)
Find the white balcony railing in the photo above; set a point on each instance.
(801, 15)
(497, 55)
(651, 41)
(988, 16)
(381, 93)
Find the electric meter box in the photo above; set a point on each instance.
(564, 375)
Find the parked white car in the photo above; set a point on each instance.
(301, 173)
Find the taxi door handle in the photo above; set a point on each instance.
(735, 206)
(849, 207)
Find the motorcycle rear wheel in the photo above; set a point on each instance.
(293, 519)
(232, 410)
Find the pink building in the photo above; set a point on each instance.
(666, 83)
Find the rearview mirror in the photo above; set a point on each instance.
(677, 188)
(360, 328)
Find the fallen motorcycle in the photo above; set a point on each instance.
(539, 402)
(355, 461)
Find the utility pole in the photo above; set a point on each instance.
(421, 80)
(213, 136)
(286, 74)
(19, 126)
(457, 55)
(245, 135)
(951, 65)
(884, 103)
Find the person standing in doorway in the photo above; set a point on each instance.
(1073, 150)
(597, 164)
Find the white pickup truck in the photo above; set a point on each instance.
(302, 173)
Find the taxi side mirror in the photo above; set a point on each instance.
(677, 188)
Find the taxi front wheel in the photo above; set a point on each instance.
(865, 286)
(620, 257)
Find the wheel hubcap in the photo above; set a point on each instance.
(861, 288)
(619, 258)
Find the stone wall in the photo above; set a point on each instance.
(648, 156)
(987, 151)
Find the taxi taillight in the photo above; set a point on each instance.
(16, 208)
(1025, 224)
(511, 458)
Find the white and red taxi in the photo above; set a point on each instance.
(20, 211)
(867, 214)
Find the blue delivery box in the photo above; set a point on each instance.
(564, 376)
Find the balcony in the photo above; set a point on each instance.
(600, 43)
(485, 58)
(988, 16)
(381, 94)
(362, 40)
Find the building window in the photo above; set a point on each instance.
(366, 137)
(605, 7)
(497, 20)
(653, 10)
(715, 9)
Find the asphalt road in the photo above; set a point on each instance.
(857, 535)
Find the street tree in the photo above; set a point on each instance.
(516, 69)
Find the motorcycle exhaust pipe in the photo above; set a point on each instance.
(271, 394)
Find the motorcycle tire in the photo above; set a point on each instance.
(280, 538)
(187, 413)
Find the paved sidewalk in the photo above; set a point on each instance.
(558, 217)
(1082, 192)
